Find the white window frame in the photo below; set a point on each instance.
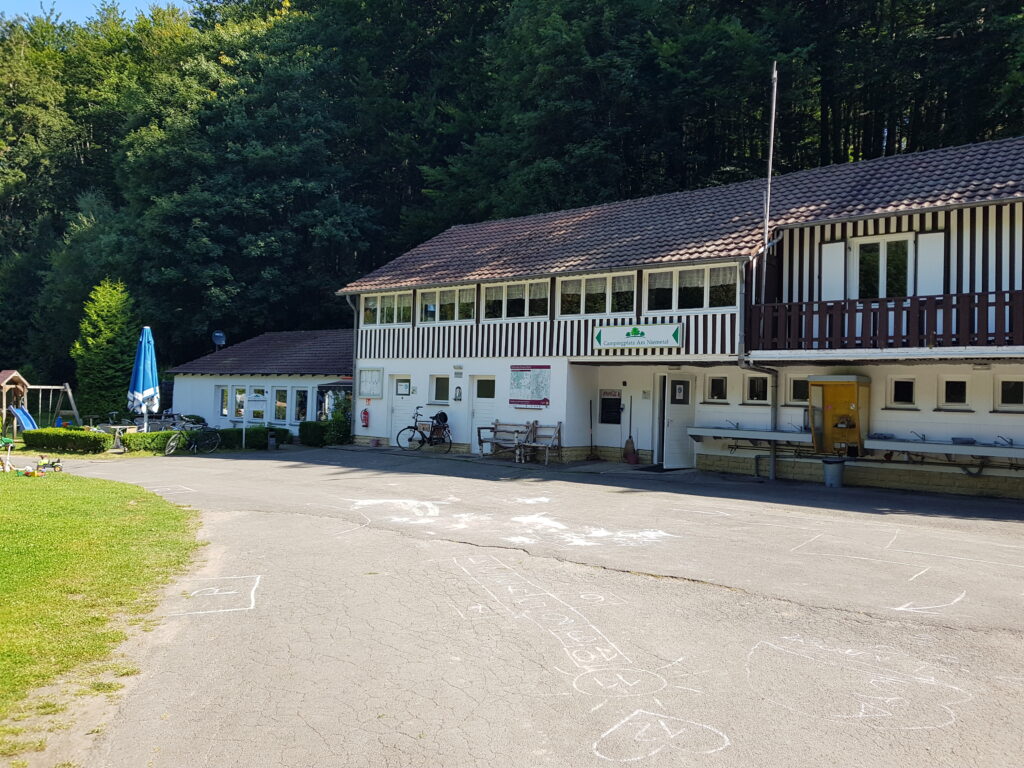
(998, 395)
(706, 269)
(608, 278)
(853, 264)
(504, 302)
(433, 389)
(272, 403)
(940, 396)
(890, 394)
(707, 390)
(377, 297)
(790, 400)
(746, 389)
(252, 402)
(222, 396)
(458, 320)
(310, 404)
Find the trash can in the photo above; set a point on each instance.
(272, 441)
(833, 472)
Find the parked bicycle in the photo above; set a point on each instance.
(437, 434)
(194, 437)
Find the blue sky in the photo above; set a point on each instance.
(76, 10)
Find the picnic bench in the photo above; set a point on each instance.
(504, 437)
(545, 438)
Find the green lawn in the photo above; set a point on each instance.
(76, 554)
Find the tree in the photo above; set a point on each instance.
(105, 349)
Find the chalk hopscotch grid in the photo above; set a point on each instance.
(252, 595)
(579, 642)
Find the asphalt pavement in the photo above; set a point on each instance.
(369, 608)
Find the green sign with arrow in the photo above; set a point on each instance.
(638, 336)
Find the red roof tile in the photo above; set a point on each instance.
(285, 352)
(711, 223)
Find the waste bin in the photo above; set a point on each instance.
(833, 472)
(272, 441)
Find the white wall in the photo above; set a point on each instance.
(197, 395)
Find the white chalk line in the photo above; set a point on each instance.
(252, 595)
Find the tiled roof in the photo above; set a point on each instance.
(284, 352)
(712, 223)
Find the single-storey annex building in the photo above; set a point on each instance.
(279, 379)
(883, 322)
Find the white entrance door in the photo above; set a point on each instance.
(483, 408)
(400, 404)
(677, 448)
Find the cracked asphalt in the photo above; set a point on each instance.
(367, 608)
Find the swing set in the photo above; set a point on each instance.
(52, 402)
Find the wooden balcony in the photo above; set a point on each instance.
(992, 318)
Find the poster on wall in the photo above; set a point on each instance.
(371, 382)
(530, 386)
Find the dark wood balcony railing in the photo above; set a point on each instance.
(992, 318)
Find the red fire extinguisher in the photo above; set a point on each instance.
(364, 417)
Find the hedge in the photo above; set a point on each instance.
(255, 437)
(313, 433)
(146, 441)
(67, 440)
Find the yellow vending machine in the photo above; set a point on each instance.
(838, 411)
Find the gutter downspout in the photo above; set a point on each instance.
(355, 348)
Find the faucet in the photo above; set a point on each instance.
(919, 435)
(735, 424)
(1008, 441)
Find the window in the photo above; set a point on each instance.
(799, 390)
(439, 386)
(722, 287)
(239, 411)
(757, 389)
(369, 310)
(901, 393)
(570, 298)
(953, 393)
(611, 406)
(301, 408)
(692, 288)
(428, 306)
(718, 389)
(538, 299)
(880, 268)
(597, 295)
(387, 309)
(485, 389)
(446, 305)
(280, 404)
(494, 296)
(1011, 393)
(516, 300)
(467, 303)
(221, 396)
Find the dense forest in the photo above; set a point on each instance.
(235, 164)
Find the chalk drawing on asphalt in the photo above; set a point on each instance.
(233, 593)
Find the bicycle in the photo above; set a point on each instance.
(438, 434)
(193, 437)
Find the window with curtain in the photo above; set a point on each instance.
(493, 301)
(595, 299)
(428, 306)
(623, 293)
(570, 298)
(446, 305)
(538, 299)
(467, 303)
(659, 290)
(691, 289)
(722, 287)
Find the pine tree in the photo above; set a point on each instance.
(105, 349)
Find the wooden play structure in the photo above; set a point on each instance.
(47, 402)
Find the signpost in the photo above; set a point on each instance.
(638, 336)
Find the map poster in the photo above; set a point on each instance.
(530, 386)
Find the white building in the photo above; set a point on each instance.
(884, 323)
(279, 379)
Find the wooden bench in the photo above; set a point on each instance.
(504, 437)
(545, 437)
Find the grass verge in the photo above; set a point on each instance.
(75, 554)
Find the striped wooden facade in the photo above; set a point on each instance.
(984, 251)
(708, 334)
